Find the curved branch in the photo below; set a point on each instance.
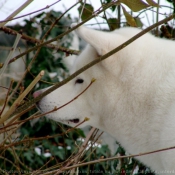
(36, 41)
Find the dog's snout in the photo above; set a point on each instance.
(36, 94)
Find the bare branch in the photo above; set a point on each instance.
(37, 41)
(21, 97)
(16, 12)
(10, 19)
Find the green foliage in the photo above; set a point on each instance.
(86, 11)
(113, 8)
(113, 23)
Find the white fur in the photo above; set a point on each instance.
(133, 97)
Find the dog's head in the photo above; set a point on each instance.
(73, 102)
(89, 104)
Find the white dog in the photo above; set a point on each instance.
(132, 99)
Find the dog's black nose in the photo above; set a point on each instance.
(76, 120)
(36, 94)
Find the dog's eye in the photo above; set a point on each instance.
(79, 80)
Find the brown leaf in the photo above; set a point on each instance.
(87, 11)
(138, 22)
(129, 18)
(135, 5)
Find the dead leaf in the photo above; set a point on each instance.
(135, 5)
(152, 3)
(113, 23)
(129, 18)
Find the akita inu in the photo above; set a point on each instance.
(133, 97)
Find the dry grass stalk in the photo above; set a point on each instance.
(21, 97)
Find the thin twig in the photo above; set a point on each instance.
(37, 41)
(76, 158)
(6, 98)
(48, 6)
(38, 171)
(12, 132)
(94, 141)
(21, 97)
(12, 121)
(83, 146)
(56, 21)
(9, 161)
(16, 12)
(2, 147)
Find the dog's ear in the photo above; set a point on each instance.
(97, 39)
(103, 42)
